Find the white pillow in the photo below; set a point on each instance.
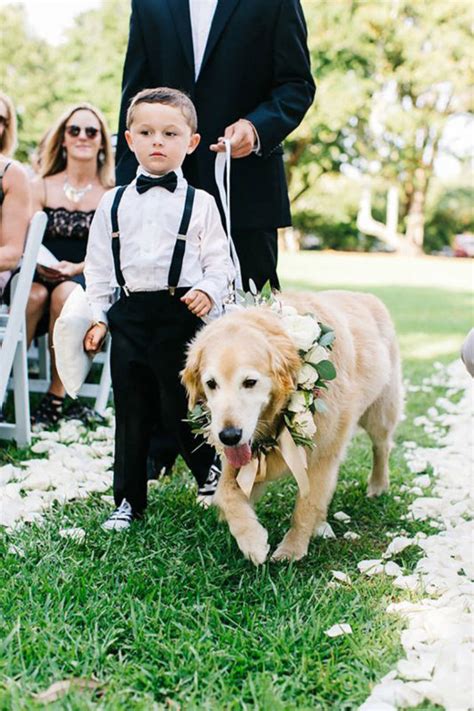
(72, 361)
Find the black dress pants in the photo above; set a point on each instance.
(258, 256)
(149, 334)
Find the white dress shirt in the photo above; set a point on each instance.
(202, 12)
(149, 225)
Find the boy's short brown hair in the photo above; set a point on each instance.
(169, 97)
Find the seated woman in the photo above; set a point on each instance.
(15, 198)
(76, 169)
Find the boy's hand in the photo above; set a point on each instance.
(94, 338)
(198, 302)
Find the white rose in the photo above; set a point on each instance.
(297, 402)
(303, 330)
(316, 355)
(307, 376)
(304, 424)
(288, 310)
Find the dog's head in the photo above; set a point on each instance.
(244, 366)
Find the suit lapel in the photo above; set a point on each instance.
(224, 10)
(182, 19)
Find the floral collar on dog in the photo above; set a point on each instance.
(314, 342)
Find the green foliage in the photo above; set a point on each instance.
(452, 213)
(43, 80)
(390, 76)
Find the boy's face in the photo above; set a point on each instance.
(160, 137)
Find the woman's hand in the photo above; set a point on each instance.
(68, 269)
(198, 302)
(94, 338)
(48, 274)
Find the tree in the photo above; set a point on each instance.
(28, 73)
(391, 75)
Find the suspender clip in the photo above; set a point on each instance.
(116, 234)
(125, 289)
(172, 290)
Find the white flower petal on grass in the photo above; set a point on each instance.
(342, 516)
(324, 531)
(77, 534)
(392, 569)
(342, 577)
(338, 630)
(351, 536)
(398, 544)
(370, 567)
(15, 550)
(423, 481)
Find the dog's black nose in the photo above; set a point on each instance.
(230, 436)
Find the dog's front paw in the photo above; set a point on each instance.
(254, 545)
(377, 488)
(290, 548)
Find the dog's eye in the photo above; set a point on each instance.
(249, 383)
(211, 384)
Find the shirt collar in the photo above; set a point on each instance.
(142, 171)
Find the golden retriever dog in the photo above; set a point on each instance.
(244, 367)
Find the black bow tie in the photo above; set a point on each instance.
(168, 181)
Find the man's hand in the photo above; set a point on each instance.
(242, 139)
(198, 302)
(94, 338)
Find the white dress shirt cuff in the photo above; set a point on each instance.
(209, 288)
(257, 146)
(99, 314)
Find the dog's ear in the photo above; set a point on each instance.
(191, 375)
(285, 364)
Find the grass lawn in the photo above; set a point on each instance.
(171, 616)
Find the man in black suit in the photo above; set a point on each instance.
(245, 64)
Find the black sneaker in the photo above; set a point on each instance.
(205, 493)
(121, 518)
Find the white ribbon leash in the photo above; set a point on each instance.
(222, 178)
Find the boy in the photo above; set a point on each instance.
(164, 243)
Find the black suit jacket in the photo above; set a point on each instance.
(256, 66)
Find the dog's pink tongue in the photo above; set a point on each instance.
(238, 456)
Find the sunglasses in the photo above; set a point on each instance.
(74, 131)
(3, 121)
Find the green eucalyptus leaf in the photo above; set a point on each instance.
(326, 370)
(327, 338)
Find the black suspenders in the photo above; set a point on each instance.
(179, 248)
(116, 237)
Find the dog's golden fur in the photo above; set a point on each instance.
(367, 391)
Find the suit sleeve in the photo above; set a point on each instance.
(135, 77)
(293, 86)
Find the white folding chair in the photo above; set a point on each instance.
(13, 338)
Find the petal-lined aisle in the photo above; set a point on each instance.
(438, 641)
(75, 462)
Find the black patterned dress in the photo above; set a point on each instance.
(66, 235)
